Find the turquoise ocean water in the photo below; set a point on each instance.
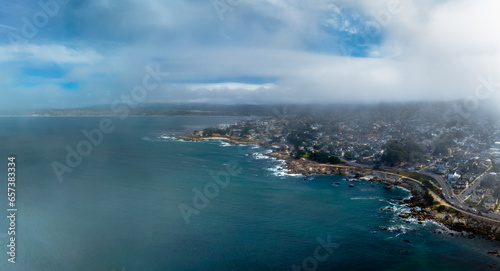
(119, 208)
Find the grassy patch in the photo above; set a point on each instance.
(417, 176)
(470, 202)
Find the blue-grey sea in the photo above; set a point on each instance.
(141, 200)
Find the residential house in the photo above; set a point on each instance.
(453, 178)
(476, 197)
(490, 203)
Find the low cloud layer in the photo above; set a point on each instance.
(263, 51)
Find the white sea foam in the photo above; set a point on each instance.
(262, 156)
(280, 171)
(398, 209)
(147, 139)
(167, 137)
(219, 141)
(252, 146)
(283, 173)
(399, 228)
(404, 189)
(164, 138)
(225, 144)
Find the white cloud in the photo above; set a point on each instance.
(49, 53)
(432, 50)
(229, 86)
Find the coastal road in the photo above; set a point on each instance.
(448, 194)
(445, 187)
(489, 217)
(450, 198)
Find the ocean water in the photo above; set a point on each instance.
(120, 208)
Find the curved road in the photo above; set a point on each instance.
(448, 195)
(457, 201)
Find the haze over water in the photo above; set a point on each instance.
(119, 208)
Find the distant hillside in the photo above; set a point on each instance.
(451, 111)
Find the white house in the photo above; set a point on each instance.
(453, 177)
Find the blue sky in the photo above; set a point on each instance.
(62, 54)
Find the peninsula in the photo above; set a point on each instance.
(400, 146)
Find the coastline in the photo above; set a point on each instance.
(450, 217)
(228, 139)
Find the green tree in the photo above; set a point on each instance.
(395, 153)
(496, 192)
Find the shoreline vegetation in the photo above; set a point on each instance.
(424, 201)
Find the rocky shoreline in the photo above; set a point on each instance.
(229, 139)
(451, 218)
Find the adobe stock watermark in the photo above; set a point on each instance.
(485, 88)
(120, 107)
(39, 19)
(320, 254)
(374, 27)
(220, 180)
(222, 7)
